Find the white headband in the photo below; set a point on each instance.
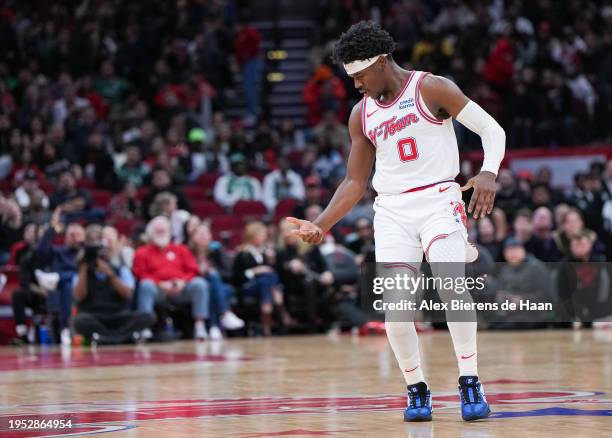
(361, 64)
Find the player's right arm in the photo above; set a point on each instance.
(350, 190)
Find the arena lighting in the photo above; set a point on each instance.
(277, 54)
(275, 77)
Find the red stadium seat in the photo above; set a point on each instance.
(126, 226)
(100, 198)
(259, 175)
(285, 207)
(227, 229)
(205, 208)
(85, 183)
(142, 192)
(250, 208)
(195, 193)
(207, 182)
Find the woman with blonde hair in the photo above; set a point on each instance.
(255, 277)
(208, 255)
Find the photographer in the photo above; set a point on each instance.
(103, 294)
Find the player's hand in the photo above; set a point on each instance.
(307, 231)
(483, 197)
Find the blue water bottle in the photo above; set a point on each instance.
(43, 335)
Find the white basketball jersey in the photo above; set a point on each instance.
(413, 148)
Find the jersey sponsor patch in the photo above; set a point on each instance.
(408, 103)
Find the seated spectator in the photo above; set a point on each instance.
(165, 204)
(572, 225)
(10, 227)
(21, 248)
(31, 294)
(487, 237)
(522, 225)
(304, 274)
(168, 270)
(26, 189)
(62, 260)
(363, 210)
(522, 277)
(161, 182)
(583, 284)
(126, 204)
(237, 185)
(331, 132)
(38, 210)
(313, 196)
(103, 293)
(133, 170)
(282, 183)
(208, 256)
(361, 242)
(541, 243)
(290, 138)
(119, 253)
(255, 277)
(75, 203)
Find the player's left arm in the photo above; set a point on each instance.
(444, 99)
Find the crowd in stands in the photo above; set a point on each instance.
(128, 197)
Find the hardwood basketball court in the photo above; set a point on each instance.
(539, 383)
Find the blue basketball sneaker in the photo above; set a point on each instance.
(419, 403)
(474, 404)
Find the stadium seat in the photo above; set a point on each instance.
(259, 175)
(207, 182)
(195, 193)
(126, 226)
(205, 208)
(85, 183)
(250, 208)
(227, 229)
(285, 207)
(100, 198)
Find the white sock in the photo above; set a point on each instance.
(21, 329)
(447, 258)
(405, 344)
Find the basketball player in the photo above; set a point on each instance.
(404, 121)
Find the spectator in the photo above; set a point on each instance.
(161, 182)
(523, 277)
(323, 92)
(237, 185)
(169, 270)
(522, 226)
(21, 248)
(126, 204)
(542, 244)
(573, 225)
(74, 202)
(133, 170)
(331, 132)
(254, 276)
(208, 255)
(38, 210)
(303, 272)
(165, 204)
(62, 260)
(281, 184)
(291, 139)
(313, 196)
(246, 50)
(10, 227)
(487, 237)
(583, 284)
(31, 294)
(362, 241)
(24, 192)
(103, 293)
(118, 253)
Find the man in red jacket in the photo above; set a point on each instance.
(170, 269)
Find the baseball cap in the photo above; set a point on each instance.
(237, 158)
(196, 135)
(511, 242)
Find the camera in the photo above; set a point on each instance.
(91, 255)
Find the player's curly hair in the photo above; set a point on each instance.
(363, 40)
